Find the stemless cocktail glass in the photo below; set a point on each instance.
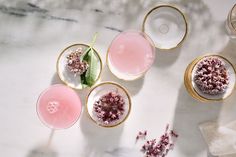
(108, 104)
(231, 22)
(166, 25)
(130, 55)
(210, 78)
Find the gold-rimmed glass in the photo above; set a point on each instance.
(166, 25)
(196, 93)
(130, 55)
(101, 89)
(68, 77)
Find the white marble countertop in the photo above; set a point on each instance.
(33, 33)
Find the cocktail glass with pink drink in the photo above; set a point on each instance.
(130, 55)
(58, 107)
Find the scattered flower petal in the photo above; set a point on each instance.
(152, 148)
(141, 135)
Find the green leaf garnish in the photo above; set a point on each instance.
(90, 76)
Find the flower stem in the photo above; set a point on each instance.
(94, 40)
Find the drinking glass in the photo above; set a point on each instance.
(166, 25)
(130, 55)
(231, 22)
(197, 93)
(97, 93)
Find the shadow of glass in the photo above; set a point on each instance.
(189, 113)
(55, 79)
(133, 87)
(42, 151)
(194, 11)
(165, 58)
(230, 51)
(99, 140)
(229, 108)
(203, 31)
(124, 152)
(82, 93)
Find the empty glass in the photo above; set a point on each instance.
(166, 25)
(231, 22)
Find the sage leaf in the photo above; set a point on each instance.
(90, 76)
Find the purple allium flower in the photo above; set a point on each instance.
(74, 63)
(109, 107)
(152, 148)
(141, 135)
(211, 76)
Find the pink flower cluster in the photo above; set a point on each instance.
(109, 108)
(154, 148)
(74, 63)
(141, 135)
(211, 76)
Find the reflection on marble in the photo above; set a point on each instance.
(33, 33)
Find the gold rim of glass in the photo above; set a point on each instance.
(230, 17)
(128, 96)
(181, 13)
(57, 66)
(188, 79)
(143, 73)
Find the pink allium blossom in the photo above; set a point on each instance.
(211, 76)
(109, 107)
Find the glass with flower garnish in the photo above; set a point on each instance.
(108, 104)
(210, 78)
(79, 66)
(166, 25)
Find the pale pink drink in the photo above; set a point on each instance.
(59, 107)
(130, 55)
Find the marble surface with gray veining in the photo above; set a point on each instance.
(34, 32)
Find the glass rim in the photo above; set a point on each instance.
(141, 74)
(188, 78)
(172, 7)
(40, 117)
(63, 51)
(115, 84)
(230, 16)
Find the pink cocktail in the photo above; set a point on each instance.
(130, 55)
(59, 107)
